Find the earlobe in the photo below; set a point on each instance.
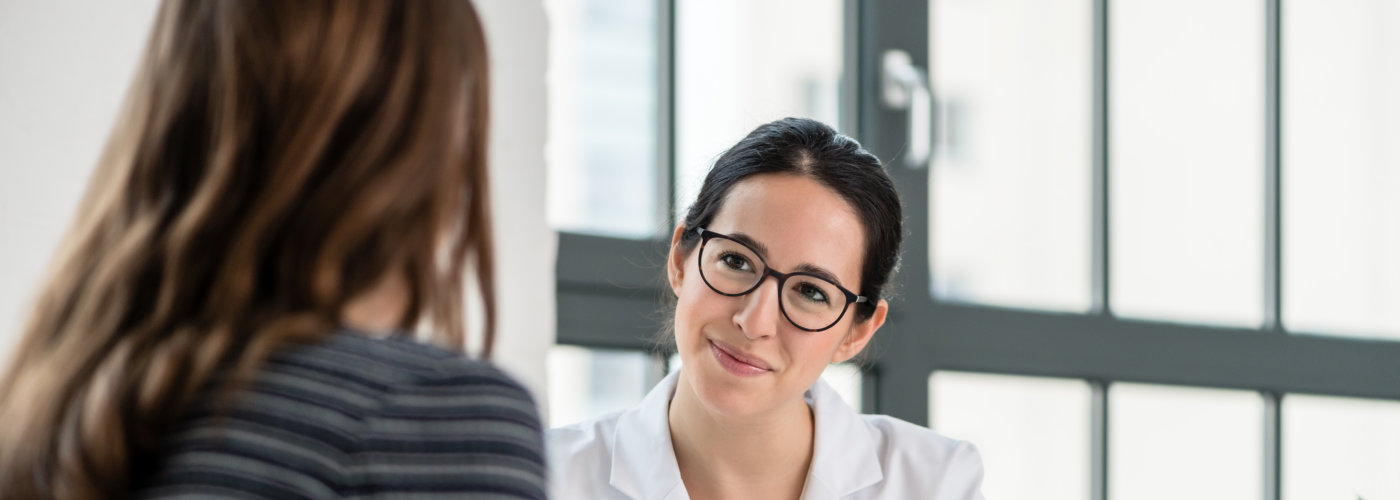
(861, 333)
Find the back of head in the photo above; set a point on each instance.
(274, 160)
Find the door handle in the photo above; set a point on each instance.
(904, 86)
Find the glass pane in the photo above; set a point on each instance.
(1340, 448)
(1170, 443)
(845, 378)
(740, 64)
(1033, 432)
(1010, 202)
(602, 88)
(1186, 160)
(1341, 167)
(587, 383)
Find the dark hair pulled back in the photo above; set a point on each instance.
(810, 148)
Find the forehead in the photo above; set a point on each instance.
(799, 220)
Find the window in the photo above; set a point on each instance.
(1159, 435)
(589, 383)
(1140, 220)
(1340, 174)
(1340, 448)
(740, 64)
(1009, 182)
(602, 152)
(1186, 155)
(1033, 432)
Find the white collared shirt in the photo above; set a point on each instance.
(628, 455)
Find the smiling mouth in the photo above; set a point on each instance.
(736, 363)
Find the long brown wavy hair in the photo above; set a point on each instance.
(274, 160)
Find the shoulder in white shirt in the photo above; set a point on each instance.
(628, 455)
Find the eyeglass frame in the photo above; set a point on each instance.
(706, 235)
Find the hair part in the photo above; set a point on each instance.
(274, 161)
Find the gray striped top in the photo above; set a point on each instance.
(356, 417)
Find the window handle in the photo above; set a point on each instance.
(904, 86)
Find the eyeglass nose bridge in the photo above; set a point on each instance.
(779, 278)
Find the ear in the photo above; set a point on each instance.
(675, 260)
(861, 333)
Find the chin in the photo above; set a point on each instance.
(724, 394)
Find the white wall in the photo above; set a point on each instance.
(65, 66)
(525, 245)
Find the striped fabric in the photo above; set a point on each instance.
(356, 417)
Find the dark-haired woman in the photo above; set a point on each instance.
(293, 189)
(779, 269)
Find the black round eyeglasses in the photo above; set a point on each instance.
(809, 299)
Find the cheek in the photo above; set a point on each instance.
(696, 305)
(813, 351)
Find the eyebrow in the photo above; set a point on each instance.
(820, 272)
(762, 250)
(750, 242)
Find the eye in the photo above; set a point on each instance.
(735, 261)
(812, 293)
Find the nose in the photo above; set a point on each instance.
(760, 315)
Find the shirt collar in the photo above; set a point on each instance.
(643, 459)
(844, 458)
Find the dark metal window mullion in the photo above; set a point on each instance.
(902, 369)
(1101, 188)
(1099, 431)
(848, 102)
(658, 363)
(848, 98)
(1273, 445)
(1273, 172)
(1098, 453)
(666, 116)
(1273, 194)
(1273, 238)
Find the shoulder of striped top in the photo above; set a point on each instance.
(357, 416)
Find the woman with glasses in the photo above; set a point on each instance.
(779, 268)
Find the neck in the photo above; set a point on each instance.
(379, 309)
(721, 456)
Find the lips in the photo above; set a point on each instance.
(737, 362)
